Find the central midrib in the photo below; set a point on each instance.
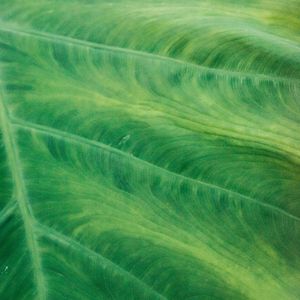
(30, 223)
(21, 198)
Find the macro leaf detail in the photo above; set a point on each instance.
(149, 149)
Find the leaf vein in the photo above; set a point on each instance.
(103, 47)
(59, 134)
(21, 197)
(62, 239)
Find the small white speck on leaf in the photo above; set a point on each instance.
(124, 139)
(3, 270)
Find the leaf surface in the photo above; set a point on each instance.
(149, 150)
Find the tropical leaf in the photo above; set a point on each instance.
(149, 149)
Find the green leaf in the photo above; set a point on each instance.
(149, 149)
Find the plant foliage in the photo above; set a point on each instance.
(149, 149)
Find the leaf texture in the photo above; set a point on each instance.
(149, 149)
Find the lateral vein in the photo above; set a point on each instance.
(138, 53)
(56, 133)
(7, 211)
(64, 240)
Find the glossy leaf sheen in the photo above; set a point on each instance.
(149, 149)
